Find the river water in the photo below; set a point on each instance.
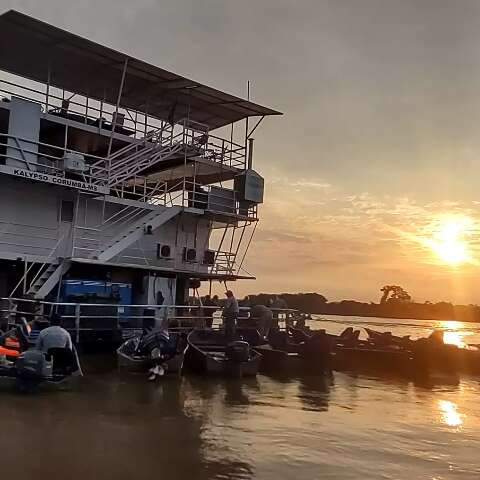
(119, 426)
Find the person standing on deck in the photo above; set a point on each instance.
(230, 314)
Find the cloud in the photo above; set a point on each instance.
(355, 242)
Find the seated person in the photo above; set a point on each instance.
(54, 336)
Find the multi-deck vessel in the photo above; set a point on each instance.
(121, 183)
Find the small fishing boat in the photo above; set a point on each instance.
(210, 353)
(431, 353)
(384, 352)
(33, 370)
(28, 369)
(386, 338)
(375, 359)
(137, 353)
(296, 352)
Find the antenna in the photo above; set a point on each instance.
(246, 125)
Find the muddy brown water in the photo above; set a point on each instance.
(119, 426)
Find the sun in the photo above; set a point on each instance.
(448, 239)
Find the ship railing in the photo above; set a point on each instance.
(133, 126)
(37, 238)
(46, 162)
(186, 193)
(140, 188)
(219, 203)
(128, 123)
(41, 267)
(185, 143)
(217, 149)
(130, 319)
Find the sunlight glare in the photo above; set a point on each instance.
(454, 338)
(448, 239)
(449, 412)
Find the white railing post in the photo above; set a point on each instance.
(77, 323)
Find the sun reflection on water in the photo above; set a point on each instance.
(450, 414)
(454, 333)
(454, 338)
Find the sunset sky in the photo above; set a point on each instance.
(379, 145)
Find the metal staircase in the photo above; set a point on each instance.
(47, 278)
(134, 158)
(134, 232)
(139, 161)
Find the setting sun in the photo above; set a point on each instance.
(448, 240)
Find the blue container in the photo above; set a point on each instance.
(95, 292)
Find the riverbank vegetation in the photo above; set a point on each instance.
(395, 302)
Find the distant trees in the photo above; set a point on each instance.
(306, 302)
(395, 303)
(394, 293)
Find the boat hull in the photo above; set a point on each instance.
(280, 361)
(205, 356)
(141, 363)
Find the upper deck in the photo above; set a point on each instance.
(79, 111)
(157, 167)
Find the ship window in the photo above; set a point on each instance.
(66, 213)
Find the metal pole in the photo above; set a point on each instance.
(100, 120)
(250, 153)
(246, 119)
(48, 88)
(114, 119)
(248, 246)
(25, 271)
(77, 323)
(255, 127)
(231, 143)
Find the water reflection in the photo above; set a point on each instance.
(455, 333)
(449, 413)
(454, 338)
(120, 427)
(314, 392)
(236, 392)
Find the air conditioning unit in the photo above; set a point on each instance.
(189, 254)
(164, 251)
(74, 162)
(209, 257)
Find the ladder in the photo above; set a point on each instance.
(48, 278)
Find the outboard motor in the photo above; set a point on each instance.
(238, 351)
(159, 339)
(32, 367)
(32, 364)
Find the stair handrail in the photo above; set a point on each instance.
(133, 217)
(50, 255)
(124, 173)
(136, 143)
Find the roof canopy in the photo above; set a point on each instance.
(28, 46)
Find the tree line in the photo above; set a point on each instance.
(395, 302)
